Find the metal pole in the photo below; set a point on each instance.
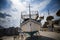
(29, 12)
(48, 13)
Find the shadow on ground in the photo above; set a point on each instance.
(39, 38)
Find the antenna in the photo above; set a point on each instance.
(20, 19)
(48, 13)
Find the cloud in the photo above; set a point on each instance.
(3, 15)
(40, 6)
(18, 5)
(4, 4)
(21, 6)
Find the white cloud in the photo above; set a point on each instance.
(18, 5)
(41, 5)
(21, 6)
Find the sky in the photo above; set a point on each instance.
(15, 7)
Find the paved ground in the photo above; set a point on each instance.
(39, 38)
(53, 35)
(44, 35)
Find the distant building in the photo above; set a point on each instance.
(57, 25)
(48, 27)
(9, 33)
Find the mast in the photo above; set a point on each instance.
(30, 16)
(29, 12)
